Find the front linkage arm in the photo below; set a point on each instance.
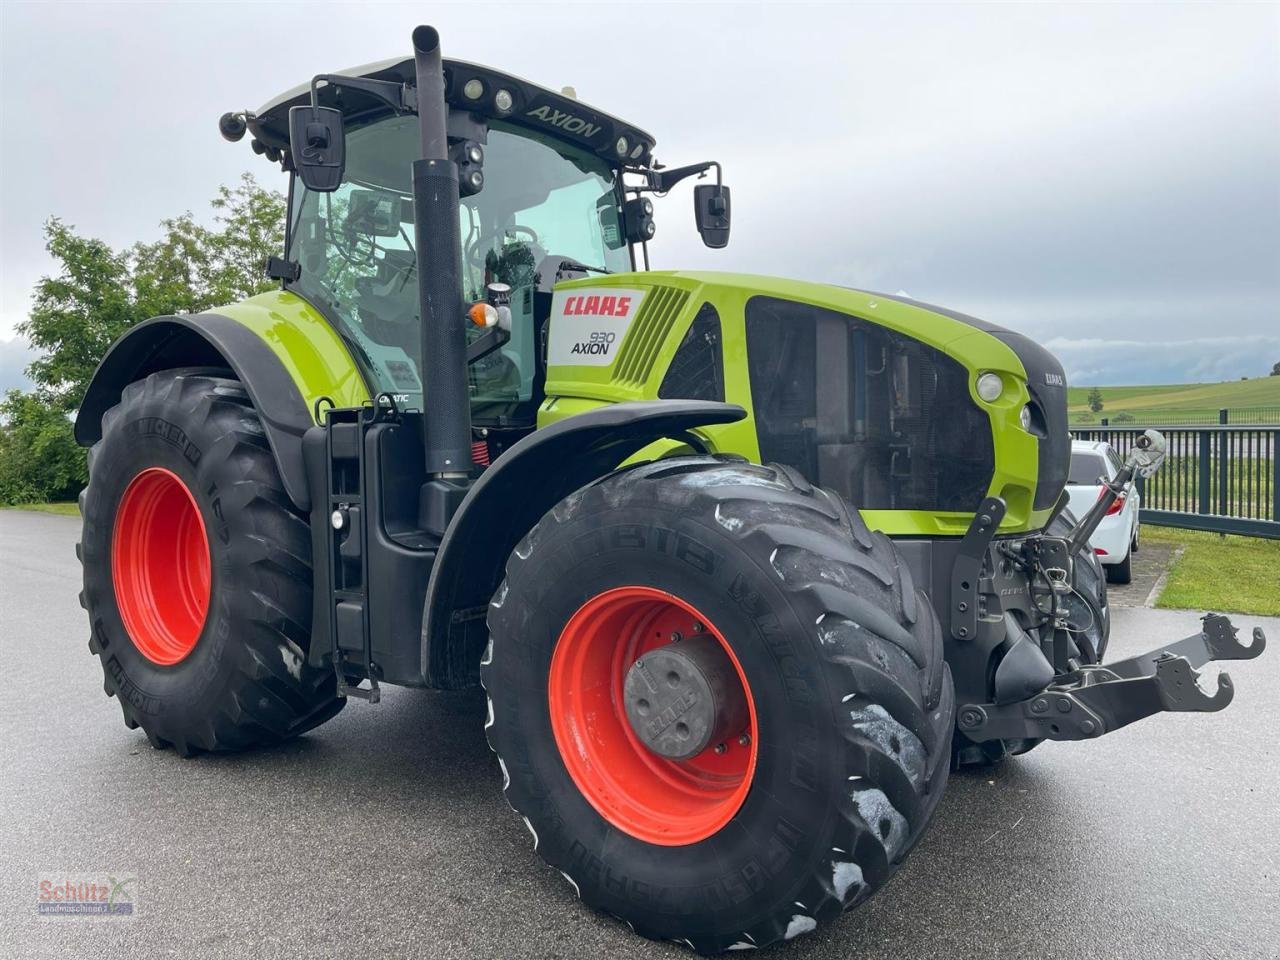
(1094, 700)
(1144, 459)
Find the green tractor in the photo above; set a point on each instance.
(745, 565)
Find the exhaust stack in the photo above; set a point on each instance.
(446, 405)
(445, 401)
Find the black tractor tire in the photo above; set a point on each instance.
(841, 655)
(245, 682)
(1088, 611)
(1090, 618)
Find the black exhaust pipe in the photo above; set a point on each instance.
(446, 404)
(439, 260)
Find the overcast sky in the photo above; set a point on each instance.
(1103, 178)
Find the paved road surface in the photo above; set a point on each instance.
(1149, 564)
(384, 833)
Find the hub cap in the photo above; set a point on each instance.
(652, 715)
(160, 566)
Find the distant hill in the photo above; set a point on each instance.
(1253, 400)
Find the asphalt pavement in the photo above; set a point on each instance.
(384, 833)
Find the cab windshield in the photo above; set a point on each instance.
(541, 199)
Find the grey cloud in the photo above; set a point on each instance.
(1097, 360)
(15, 354)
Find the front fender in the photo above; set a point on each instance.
(512, 495)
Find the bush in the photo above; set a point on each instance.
(39, 459)
(1123, 418)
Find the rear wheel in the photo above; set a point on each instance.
(719, 702)
(197, 571)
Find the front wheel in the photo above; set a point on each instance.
(719, 702)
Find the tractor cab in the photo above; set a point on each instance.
(542, 198)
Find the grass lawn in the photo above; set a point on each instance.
(64, 509)
(1221, 574)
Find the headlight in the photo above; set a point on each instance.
(1024, 418)
(990, 386)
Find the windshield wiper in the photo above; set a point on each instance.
(567, 264)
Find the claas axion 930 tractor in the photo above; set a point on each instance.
(744, 565)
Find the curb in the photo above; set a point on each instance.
(1158, 587)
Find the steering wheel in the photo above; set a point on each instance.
(516, 233)
(518, 228)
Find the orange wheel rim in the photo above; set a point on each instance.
(160, 566)
(649, 796)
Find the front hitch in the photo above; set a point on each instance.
(1145, 458)
(1094, 700)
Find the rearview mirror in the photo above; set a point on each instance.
(318, 146)
(711, 211)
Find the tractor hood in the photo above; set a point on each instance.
(820, 357)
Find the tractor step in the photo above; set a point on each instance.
(347, 541)
(1094, 700)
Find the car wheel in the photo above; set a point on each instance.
(1121, 572)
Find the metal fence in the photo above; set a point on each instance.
(1223, 478)
(1252, 416)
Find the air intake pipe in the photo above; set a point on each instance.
(446, 404)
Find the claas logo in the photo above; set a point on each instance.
(597, 306)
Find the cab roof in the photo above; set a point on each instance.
(471, 89)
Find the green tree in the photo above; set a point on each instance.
(98, 293)
(1275, 369)
(76, 314)
(39, 459)
(1095, 400)
(95, 295)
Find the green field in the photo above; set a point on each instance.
(1183, 402)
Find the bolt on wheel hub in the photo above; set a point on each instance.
(684, 697)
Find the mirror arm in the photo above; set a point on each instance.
(660, 181)
(398, 96)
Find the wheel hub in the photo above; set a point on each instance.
(684, 697)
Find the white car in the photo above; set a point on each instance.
(1117, 535)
